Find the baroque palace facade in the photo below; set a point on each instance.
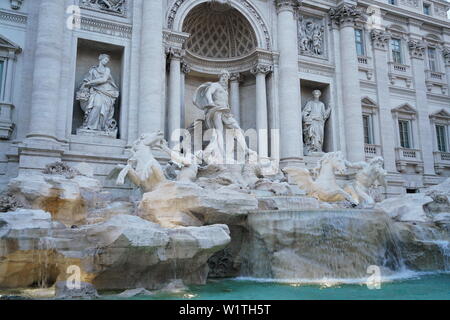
(382, 68)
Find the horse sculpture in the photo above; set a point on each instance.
(325, 187)
(142, 168)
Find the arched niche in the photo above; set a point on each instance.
(179, 9)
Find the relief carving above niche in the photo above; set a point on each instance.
(108, 6)
(311, 37)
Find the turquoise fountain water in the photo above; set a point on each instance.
(413, 287)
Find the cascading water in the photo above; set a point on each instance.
(45, 246)
(323, 244)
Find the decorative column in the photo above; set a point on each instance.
(47, 70)
(291, 138)
(380, 44)
(260, 71)
(425, 137)
(235, 101)
(174, 108)
(345, 17)
(152, 66)
(446, 53)
(185, 70)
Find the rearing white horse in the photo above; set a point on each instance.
(325, 187)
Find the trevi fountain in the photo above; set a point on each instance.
(213, 211)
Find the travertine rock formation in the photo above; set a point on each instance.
(187, 204)
(126, 252)
(67, 199)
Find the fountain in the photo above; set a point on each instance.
(211, 215)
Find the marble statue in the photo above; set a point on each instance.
(324, 187)
(188, 163)
(142, 168)
(213, 97)
(370, 174)
(311, 37)
(315, 115)
(97, 95)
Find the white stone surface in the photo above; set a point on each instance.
(40, 85)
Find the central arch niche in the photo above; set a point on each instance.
(218, 31)
(221, 36)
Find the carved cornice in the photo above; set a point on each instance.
(287, 5)
(104, 27)
(235, 65)
(13, 17)
(174, 39)
(345, 15)
(380, 39)
(416, 49)
(261, 68)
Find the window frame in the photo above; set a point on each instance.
(409, 135)
(436, 59)
(362, 42)
(370, 129)
(429, 6)
(400, 50)
(445, 143)
(4, 63)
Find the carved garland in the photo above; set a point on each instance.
(178, 3)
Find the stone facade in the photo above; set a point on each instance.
(383, 70)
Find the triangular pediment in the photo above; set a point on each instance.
(442, 114)
(367, 102)
(5, 43)
(405, 108)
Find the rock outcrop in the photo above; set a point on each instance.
(318, 244)
(67, 199)
(125, 252)
(187, 204)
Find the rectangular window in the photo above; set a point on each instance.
(432, 59)
(427, 9)
(396, 48)
(405, 133)
(2, 64)
(393, 2)
(441, 135)
(359, 38)
(368, 132)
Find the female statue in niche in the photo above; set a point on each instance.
(97, 95)
(315, 114)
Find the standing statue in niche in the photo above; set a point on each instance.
(212, 97)
(97, 96)
(315, 115)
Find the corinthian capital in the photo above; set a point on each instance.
(380, 39)
(290, 5)
(175, 53)
(446, 54)
(416, 49)
(261, 68)
(345, 14)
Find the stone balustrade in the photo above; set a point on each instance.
(372, 150)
